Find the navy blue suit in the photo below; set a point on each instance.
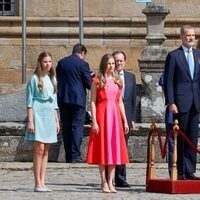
(183, 91)
(169, 126)
(130, 110)
(73, 75)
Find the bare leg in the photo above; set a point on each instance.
(111, 173)
(104, 184)
(44, 164)
(37, 162)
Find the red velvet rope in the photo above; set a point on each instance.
(194, 148)
(164, 149)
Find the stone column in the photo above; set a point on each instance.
(152, 64)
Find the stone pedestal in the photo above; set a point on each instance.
(152, 64)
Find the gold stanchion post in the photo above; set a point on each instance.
(174, 161)
(152, 153)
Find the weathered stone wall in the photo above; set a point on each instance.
(12, 102)
(105, 8)
(14, 148)
(58, 35)
(108, 25)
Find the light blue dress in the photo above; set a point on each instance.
(44, 113)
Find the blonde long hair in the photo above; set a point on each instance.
(38, 71)
(102, 72)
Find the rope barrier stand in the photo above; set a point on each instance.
(167, 185)
(174, 160)
(152, 153)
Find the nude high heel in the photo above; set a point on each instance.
(105, 188)
(112, 189)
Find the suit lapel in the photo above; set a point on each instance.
(196, 63)
(184, 61)
(125, 82)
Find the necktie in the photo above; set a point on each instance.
(121, 75)
(190, 61)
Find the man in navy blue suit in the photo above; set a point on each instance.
(73, 76)
(129, 99)
(169, 126)
(182, 95)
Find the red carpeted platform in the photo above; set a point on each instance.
(173, 187)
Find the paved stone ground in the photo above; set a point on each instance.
(78, 181)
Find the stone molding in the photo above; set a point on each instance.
(94, 27)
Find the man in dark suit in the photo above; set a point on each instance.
(169, 126)
(129, 99)
(73, 76)
(182, 94)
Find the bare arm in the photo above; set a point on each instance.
(57, 122)
(95, 126)
(133, 125)
(122, 110)
(31, 128)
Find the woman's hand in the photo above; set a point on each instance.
(57, 127)
(31, 128)
(126, 128)
(95, 128)
(133, 125)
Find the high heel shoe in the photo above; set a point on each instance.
(112, 189)
(105, 188)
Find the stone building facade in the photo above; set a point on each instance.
(108, 25)
(54, 26)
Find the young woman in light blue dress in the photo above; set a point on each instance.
(43, 123)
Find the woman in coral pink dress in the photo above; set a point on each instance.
(107, 146)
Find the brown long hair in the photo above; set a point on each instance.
(38, 71)
(102, 72)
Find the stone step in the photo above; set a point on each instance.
(14, 148)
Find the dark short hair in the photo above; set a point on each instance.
(118, 52)
(79, 48)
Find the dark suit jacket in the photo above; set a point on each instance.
(168, 114)
(179, 87)
(73, 76)
(130, 97)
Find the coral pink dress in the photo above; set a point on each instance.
(108, 147)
